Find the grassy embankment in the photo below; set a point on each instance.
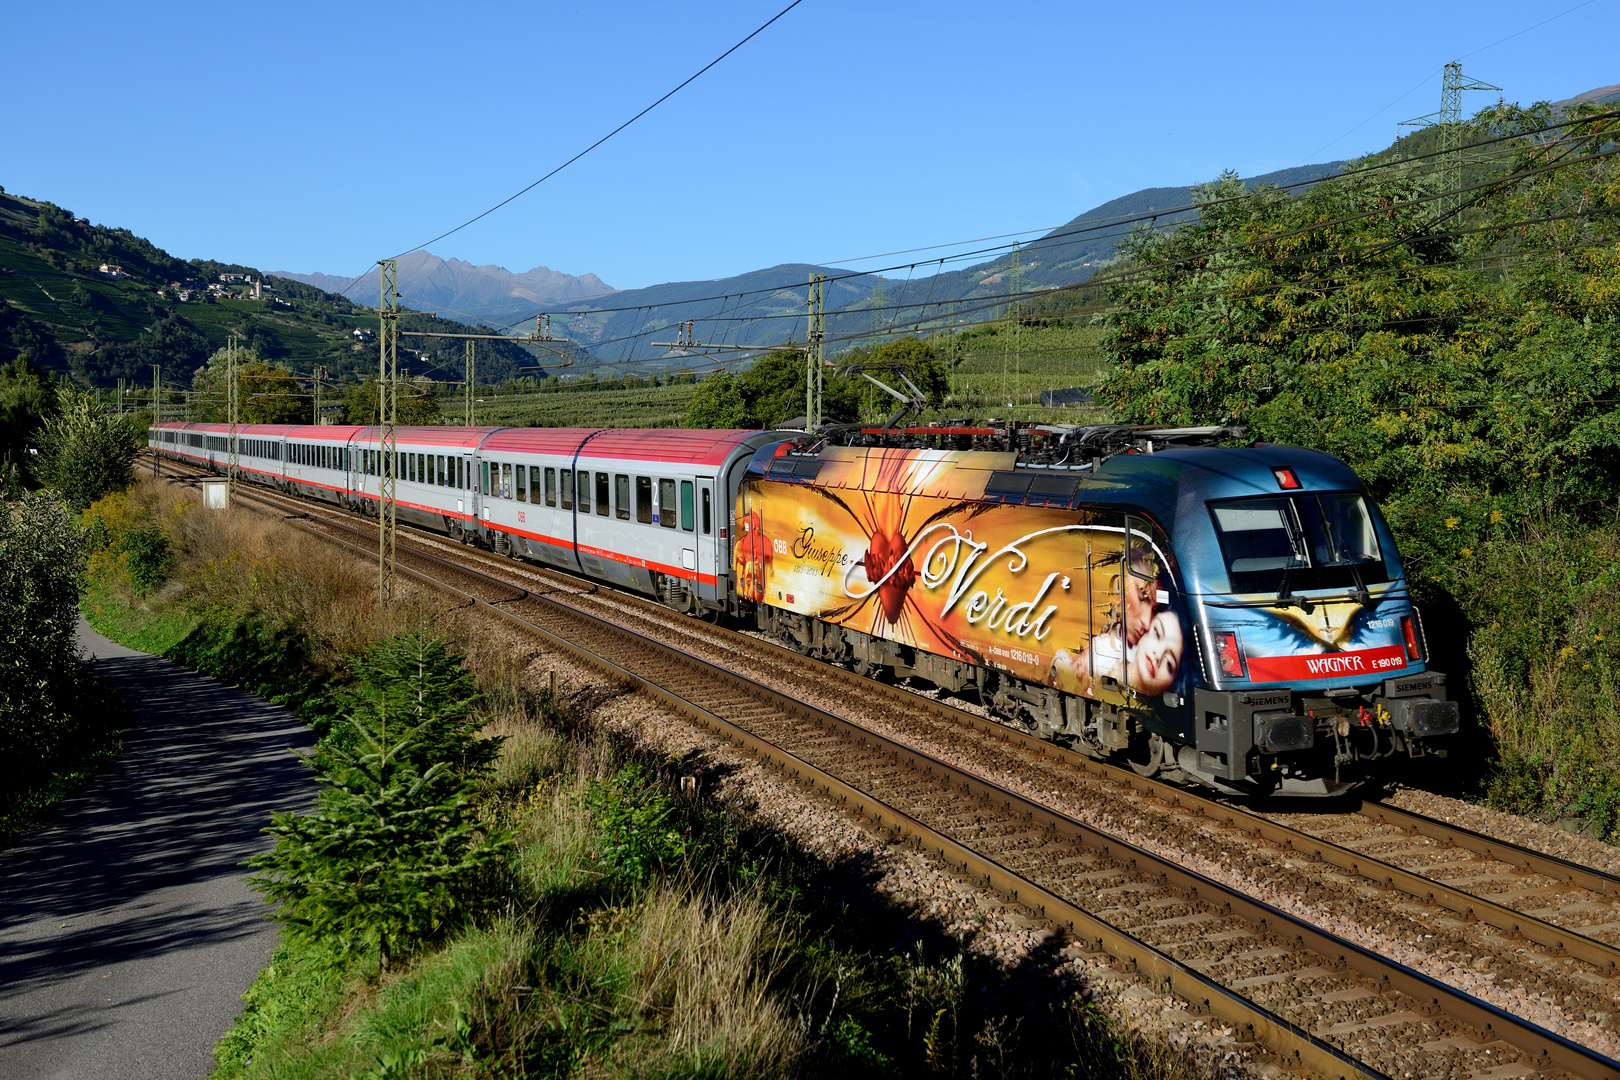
(640, 929)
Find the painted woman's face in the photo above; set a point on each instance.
(1158, 655)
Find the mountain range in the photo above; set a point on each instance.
(453, 286)
(768, 305)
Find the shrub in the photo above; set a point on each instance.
(52, 714)
(86, 452)
(638, 830)
(394, 854)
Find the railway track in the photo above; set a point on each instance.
(1318, 1001)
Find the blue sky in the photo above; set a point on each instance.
(309, 137)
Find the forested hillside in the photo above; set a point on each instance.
(102, 304)
(1461, 350)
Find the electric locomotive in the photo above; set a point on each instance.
(1233, 616)
(1227, 615)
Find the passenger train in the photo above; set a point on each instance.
(1234, 616)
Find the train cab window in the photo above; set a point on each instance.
(666, 503)
(567, 485)
(686, 506)
(551, 487)
(1299, 542)
(621, 496)
(644, 500)
(708, 514)
(522, 483)
(601, 494)
(1142, 560)
(583, 479)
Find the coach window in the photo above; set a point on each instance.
(601, 494)
(621, 496)
(686, 505)
(644, 500)
(666, 503)
(567, 485)
(551, 487)
(583, 479)
(424, 468)
(522, 483)
(506, 480)
(708, 514)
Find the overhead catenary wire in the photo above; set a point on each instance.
(1098, 281)
(1096, 225)
(524, 191)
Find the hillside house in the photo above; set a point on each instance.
(111, 270)
(365, 337)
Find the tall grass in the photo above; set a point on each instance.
(639, 930)
(1545, 600)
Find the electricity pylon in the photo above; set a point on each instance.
(387, 414)
(813, 359)
(1449, 121)
(472, 369)
(157, 408)
(233, 409)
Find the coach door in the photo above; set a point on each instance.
(465, 488)
(706, 538)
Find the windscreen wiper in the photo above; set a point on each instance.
(1363, 597)
(1285, 595)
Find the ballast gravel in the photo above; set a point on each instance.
(985, 922)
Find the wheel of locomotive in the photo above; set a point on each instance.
(1145, 756)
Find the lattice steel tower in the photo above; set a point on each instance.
(813, 358)
(1449, 165)
(387, 414)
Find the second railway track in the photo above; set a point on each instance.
(1319, 1001)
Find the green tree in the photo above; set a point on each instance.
(27, 398)
(86, 452)
(42, 681)
(267, 393)
(917, 358)
(394, 853)
(717, 403)
(770, 392)
(414, 403)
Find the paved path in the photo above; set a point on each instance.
(127, 934)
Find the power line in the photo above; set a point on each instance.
(1047, 242)
(689, 80)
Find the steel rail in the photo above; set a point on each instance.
(1547, 1050)
(1585, 877)
(1515, 924)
